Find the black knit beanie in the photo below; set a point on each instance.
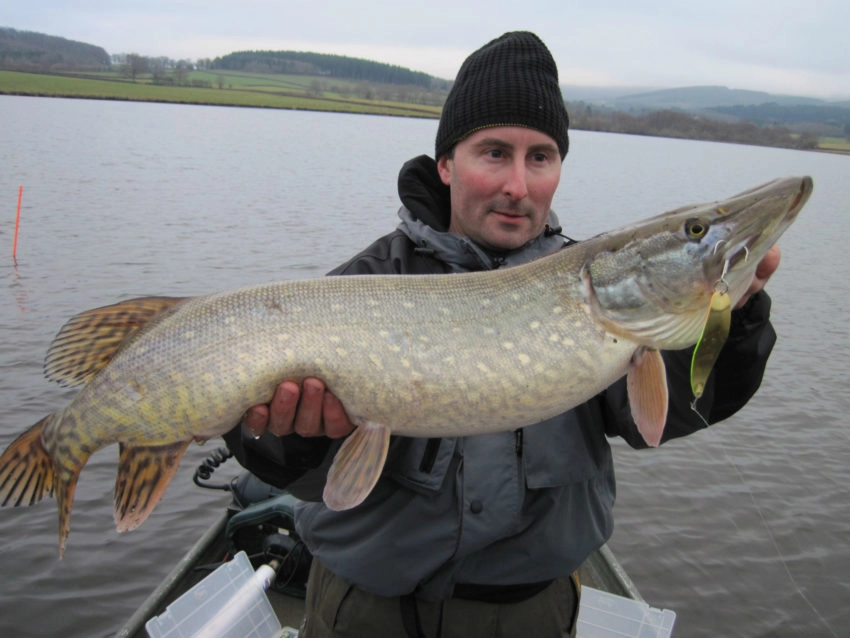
(511, 81)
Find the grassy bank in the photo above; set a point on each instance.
(224, 89)
(834, 145)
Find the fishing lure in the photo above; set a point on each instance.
(714, 334)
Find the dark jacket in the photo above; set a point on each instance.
(501, 509)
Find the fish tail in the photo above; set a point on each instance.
(29, 472)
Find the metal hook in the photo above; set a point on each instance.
(721, 286)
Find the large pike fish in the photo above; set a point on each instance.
(431, 356)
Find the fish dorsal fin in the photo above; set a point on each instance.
(143, 474)
(647, 386)
(357, 466)
(89, 340)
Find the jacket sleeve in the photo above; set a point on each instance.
(736, 376)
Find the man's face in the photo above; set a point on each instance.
(502, 182)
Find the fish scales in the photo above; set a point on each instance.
(424, 355)
(387, 358)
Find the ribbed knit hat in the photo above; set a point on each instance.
(510, 81)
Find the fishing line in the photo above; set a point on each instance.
(721, 294)
(775, 544)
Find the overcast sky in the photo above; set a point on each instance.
(793, 47)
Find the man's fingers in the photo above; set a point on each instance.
(256, 419)
(283, 407)
(765, 269)
(335, 419)
(308, 410)
(769, 263)
(308, 418)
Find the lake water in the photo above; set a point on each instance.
(742, 530)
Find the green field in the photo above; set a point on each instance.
(834, 144)
(224, 88)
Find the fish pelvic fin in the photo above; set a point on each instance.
(357, 466)
(88, 341)
(144, 471)
(647, 386)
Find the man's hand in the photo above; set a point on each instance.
(309, 410)
(767, 266)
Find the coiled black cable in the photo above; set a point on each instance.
(207, 468)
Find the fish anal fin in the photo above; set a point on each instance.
(89, 340)
(27, 472)
(357, 466)
(143, 474)
(647, 387)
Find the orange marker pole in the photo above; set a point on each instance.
(17, 221)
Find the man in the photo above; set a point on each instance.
(477, 536)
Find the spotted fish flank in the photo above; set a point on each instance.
(422, 355)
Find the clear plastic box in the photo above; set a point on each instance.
(604, 615)
(229, 603)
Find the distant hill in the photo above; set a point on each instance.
(799, 114)
(594, 108)
(29, 51)
(705, 97)
(326, 65)
(599, 94)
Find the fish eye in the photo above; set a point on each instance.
(695, 228)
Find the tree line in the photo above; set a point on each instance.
(164, 71)
(827, 119)
(325, 65)
(678, 124)
(30, 51)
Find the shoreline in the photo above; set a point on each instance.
(274, 92)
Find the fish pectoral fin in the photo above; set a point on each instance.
(144, 471)
(89, 340)
(27, 472)
(647, 386)
(357, 466)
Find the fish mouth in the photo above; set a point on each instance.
(754, 225)
(653, 281)
(807, 186)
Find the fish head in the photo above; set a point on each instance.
(652, 282)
